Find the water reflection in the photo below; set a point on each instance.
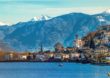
(52, 70)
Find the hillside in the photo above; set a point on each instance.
(100, 37)
(29, 35)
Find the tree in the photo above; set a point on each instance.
(92, 44)
(58, 47)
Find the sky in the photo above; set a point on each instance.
(13, 11)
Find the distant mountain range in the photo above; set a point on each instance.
(46, 30)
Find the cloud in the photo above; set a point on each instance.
(21, 10)
(60, 11)
(22, 13)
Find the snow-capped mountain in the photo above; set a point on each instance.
(104, 17)
(100, 18)
(29, 35)
(59, 29)
(107, 11)
(41, 18)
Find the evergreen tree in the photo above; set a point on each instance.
(92, 44)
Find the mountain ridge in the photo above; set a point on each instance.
(29, 35)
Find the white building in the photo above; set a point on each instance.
(79, 43)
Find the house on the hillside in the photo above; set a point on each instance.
(107, 33)
(101, 49)
(107, 28)
(74, 56)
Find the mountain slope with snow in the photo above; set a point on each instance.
(29, 35)
(41, 18)
(104, 17)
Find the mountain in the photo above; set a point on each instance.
(3, 29)
(29, 35)
(5, 47)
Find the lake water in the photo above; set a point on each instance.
(52, 70)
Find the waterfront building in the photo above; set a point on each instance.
(65, 56)
(23, 57)
(11, 55)
(74, 56)
(57, 56)
(40, 57)
(49, 54)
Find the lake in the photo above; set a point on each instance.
(52, 70)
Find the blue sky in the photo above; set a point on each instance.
(13, 11)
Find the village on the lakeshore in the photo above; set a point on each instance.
(93, 48)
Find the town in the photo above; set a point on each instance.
(93, 48)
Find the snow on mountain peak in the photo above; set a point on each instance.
(41, 18)
(107, 11)
(100, 18)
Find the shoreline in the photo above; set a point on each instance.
(98, 64)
